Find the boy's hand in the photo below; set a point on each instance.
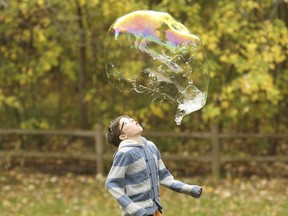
(196, 191)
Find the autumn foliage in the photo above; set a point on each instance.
(52, 72)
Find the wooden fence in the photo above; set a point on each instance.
(213, 135)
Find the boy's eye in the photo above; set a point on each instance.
(126, 121)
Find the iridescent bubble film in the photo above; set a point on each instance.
(151, 52)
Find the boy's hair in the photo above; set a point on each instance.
(114, 132)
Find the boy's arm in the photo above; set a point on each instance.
(167, 180)
(115, 185)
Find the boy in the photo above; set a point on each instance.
(137, 171)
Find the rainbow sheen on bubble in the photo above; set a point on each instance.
(151, 52)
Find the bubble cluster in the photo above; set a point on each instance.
(151, 52)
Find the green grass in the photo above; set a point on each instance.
(34, 194)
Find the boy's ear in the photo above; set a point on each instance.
(122, 136)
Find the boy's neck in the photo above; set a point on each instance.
(137, 140)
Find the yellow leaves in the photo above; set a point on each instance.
(239, 41)
(10, 101)
(224, 58)
(45, 21)
(23, 6)
(251, 47)
(106, 11)
(277, 53)
(95, 2)
(273, 55)
(44, 125)
(13, 56)
(250, 4)
(41, 3)
(210, 41)
(252, 85)
(156, 110)
(68, 68)
(247, 85)
(46, 66)
(211, 112)
(259, 56)
(230, 58)
(225, 104)
(256, 48)
(1, 98)
(26, 35)
(34, 123)
(4, 51)
(30, 72)
(90, 95)
(41, 37)
(228, 20)
(48, 60)
(233, 57)
(82, 2)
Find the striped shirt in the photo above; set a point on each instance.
(135, 176)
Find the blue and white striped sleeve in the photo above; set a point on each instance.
(167, 180)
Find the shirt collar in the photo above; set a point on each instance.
(131, 143)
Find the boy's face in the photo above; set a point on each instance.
(129, 127)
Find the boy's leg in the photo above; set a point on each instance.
(157, 213)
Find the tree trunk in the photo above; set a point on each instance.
(82, 70)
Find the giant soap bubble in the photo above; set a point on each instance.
(151, 52)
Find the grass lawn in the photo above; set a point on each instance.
(26, 193)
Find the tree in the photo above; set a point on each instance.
(52, 71)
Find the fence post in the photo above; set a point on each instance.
(99, 151)
(215, 152)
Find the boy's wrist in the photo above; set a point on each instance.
(196, 191)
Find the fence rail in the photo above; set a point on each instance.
(98, 135)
